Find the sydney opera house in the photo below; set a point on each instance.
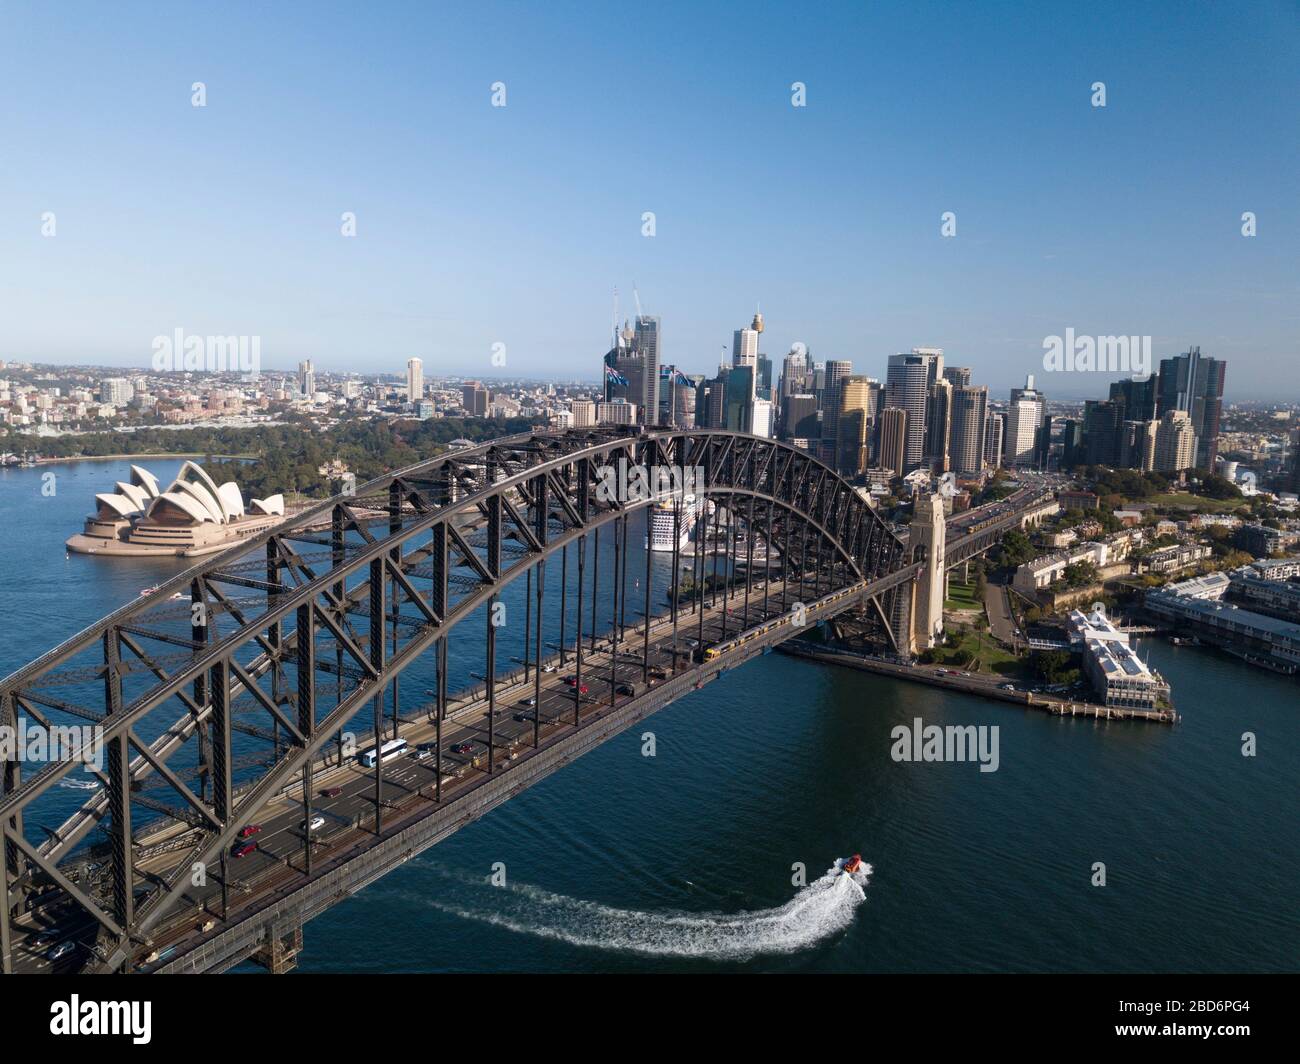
(191, 517)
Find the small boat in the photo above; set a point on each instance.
(851, 864)
(80, 785)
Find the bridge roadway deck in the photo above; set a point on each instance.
(268, 888)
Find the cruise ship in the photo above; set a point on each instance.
(662, 521)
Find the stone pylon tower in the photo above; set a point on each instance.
(927, 540)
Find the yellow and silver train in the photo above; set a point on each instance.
(784, 621)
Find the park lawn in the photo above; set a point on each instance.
(962, 597)
(995, 660)
(1186, 500)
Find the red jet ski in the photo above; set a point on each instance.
(851, 864)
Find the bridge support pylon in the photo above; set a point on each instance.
(279, 953)
(928, 542)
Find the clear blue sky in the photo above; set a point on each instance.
(479, 225)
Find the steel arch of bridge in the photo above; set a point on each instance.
(438, 539)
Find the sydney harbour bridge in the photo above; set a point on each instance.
(221, 728)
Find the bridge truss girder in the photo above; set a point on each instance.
(170, 680)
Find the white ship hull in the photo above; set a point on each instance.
(662, 521)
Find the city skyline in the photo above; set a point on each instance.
(479, 225)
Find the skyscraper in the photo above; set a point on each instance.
(1138, 396)
(836, 371)
(744, 348)
(763, 382)
(799, 418)
(1102, 419)
(966, 437)
(1194, 383)
(647, 346)
(994, 435)
(306, 378)
(907, 387)
(414, 380)
(795, 374)
(853, 425)
(1137, 445)
(624, 370)
(939, 424)
(1025, 416)
(474, 398)
(711, 401)
(116, 390)
(684, 403)
(740, 399)
(893, 439)
(1071, 443)
(1175, 442)
(676, 398)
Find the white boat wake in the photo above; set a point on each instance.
(821, 909)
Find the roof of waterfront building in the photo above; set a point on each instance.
(1211, 585)
(1108, 646)
(1210, 608)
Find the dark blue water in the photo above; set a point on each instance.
(684, 860)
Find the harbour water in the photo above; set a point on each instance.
(684, 861)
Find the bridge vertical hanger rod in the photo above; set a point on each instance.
(10, 778)
(728, 545)
(377, 660)
(6, 932)
(731, 559)
(713, 598)
(538, 590)
(274, 636)
(749, 562)
(306, 697)
(701, 530)
(613, 620)
(395, 556)
(651, 458)
(439, 604)
(541, 520)
(494, 567)
(491, 676)
(595, 584)
(701, 543)
(528, 622)
(787, 571)
(222, 787)
(622, 583)
(438, 549)
(440, 711)
(199, 634)
(768, 540)
(577, 649)
(119, 794)
(616, 581)
(11, 857)
(584, 515)
(225, 887)
(336, 561)
(677, 554)
(564, 597)
(645, 647)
